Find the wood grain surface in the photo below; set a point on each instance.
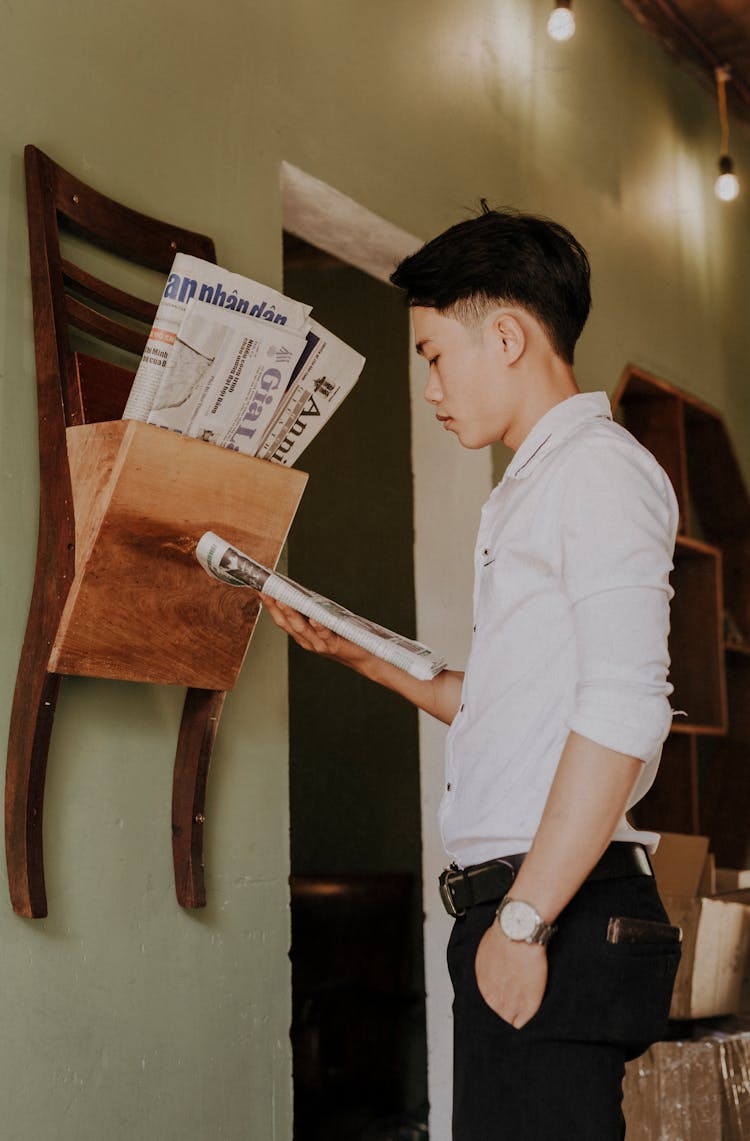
(140, 607)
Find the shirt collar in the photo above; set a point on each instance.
(554, 427)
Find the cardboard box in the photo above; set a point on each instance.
(734, 1066)
(730, 879)
(690, 1090)
(715, 929)
(733, 886)
(674, 1093)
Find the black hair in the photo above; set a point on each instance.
(508, 258)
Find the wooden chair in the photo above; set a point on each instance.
(75, 389)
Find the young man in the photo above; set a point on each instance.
(557, 724)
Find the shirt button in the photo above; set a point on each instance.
(474, 629)
(461, 709)
(448, 787)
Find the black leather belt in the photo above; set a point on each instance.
(461, 888)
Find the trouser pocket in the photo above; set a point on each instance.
(597, 991)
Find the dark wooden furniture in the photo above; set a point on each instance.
(117, 591)
(703, 784)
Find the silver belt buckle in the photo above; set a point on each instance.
(446, 895)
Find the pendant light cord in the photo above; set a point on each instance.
(723, 75)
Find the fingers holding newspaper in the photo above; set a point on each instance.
(439, 696)
(325, 627)
(312, 635)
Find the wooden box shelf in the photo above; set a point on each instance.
(710, 635)
(140, 608)
(654, 412)
(696, 649)
(729, 783)
(674, 793)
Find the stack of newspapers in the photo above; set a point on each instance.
(238, 364)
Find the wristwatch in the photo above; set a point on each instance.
(522, 923)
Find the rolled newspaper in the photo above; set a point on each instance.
(223, 561)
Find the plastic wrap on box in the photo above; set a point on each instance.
(673, 1092)
(734, 1066)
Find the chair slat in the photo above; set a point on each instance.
(90, 321)
(128, 233)
(98, 290)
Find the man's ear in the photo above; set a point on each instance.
(509, 334)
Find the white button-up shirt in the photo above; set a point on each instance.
(571, 617)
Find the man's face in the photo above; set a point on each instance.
(467, 385)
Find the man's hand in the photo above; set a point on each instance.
(439, 697)
(311, 635)
(511, 977)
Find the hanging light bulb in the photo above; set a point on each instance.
(727, 185)
(562, 23)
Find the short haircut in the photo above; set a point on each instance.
(504, 257)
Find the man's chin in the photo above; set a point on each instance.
(472, 441)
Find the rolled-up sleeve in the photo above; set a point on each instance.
(619, 519)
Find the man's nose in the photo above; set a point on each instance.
(433, 393)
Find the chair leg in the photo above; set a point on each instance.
(31, 723)
(200, 720)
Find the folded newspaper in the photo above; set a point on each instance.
(236, 363)
(225, 377)
(223, 561)
(189, 278)
(324, 376)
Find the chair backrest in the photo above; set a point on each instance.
(64, 294)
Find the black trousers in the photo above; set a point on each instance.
(559, 1078)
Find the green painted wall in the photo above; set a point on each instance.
(123, 1016)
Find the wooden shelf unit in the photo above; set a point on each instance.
(697, 651)
(710, 626)
(117, 590)
(140, 608)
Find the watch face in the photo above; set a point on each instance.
(518, 920)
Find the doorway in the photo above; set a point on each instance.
(357, 946)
